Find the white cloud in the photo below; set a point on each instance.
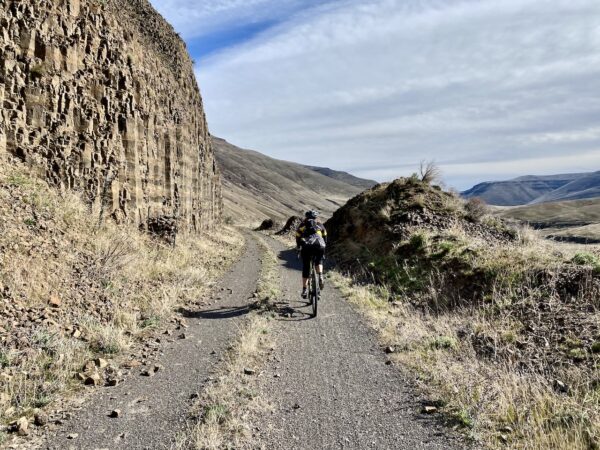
(486, 87)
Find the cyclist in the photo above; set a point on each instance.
(311, 240)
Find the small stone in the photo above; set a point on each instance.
(115, 413)
(277, 375)
(72, 436)
(194, 396)
(390, 349)
(101, 363)
(561, 387)
(40, 418)
(182, 336)
(131, 364)
(22, 426)
(93, 380)
(506, 429)
(55, 302)
(388, 363)
(248, 371)
(76, 334)
(112, 382)
(429, 410)
(80, 376)
(296, 406)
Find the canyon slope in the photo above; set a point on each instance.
(256, 187)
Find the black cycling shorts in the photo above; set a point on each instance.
(309, 252)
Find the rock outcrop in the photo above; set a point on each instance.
(102, 97)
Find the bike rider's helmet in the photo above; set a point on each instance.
(312, 214)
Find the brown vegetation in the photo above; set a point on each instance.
(72, 291)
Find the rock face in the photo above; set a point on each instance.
(101, 96)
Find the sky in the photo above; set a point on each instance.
(489, 89)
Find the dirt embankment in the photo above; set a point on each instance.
(473, 285)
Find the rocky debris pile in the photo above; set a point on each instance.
(105, 101)
(164, 227)
(267, 224)
(377, 221)
(290, 226)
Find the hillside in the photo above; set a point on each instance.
(520, 191)
(256, 186)
(491, 320)
(345, 177)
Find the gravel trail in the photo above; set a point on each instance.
(155, 409)
(329, 383)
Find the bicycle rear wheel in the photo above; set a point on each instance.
(314, 292)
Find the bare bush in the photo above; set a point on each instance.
(476, 209)
(430, 172)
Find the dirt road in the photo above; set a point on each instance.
(330, 385)
(327, 379)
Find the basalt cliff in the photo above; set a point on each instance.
(100, 97)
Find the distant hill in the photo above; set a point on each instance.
(520, 191)
(586, 186)
(256, 186)
(537, 189)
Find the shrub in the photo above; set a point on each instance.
(429, 172)
(476, 209)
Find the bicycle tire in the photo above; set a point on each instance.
(314, 293)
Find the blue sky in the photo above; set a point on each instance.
(489, 89)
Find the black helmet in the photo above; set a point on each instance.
(312, 214)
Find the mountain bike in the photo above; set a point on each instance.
(314, 293)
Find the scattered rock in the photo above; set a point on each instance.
(80, 376)
(429, 409)
(72, 436)
(55, 301)
(183, 336)
(390, 349)
(22, 426)
(101, 363)
(40, 418)
(132, 364)
(112, 382)
(248, 371)
(296, 406)
(559, 386)
(152, 371)
(93, 379)
(115, 413)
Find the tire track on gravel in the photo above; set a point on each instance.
(329, 385)
(154, 410)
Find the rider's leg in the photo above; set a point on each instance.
(305, 271)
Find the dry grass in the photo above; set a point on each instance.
(115, 285)
(225, 407)
(495, 402)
